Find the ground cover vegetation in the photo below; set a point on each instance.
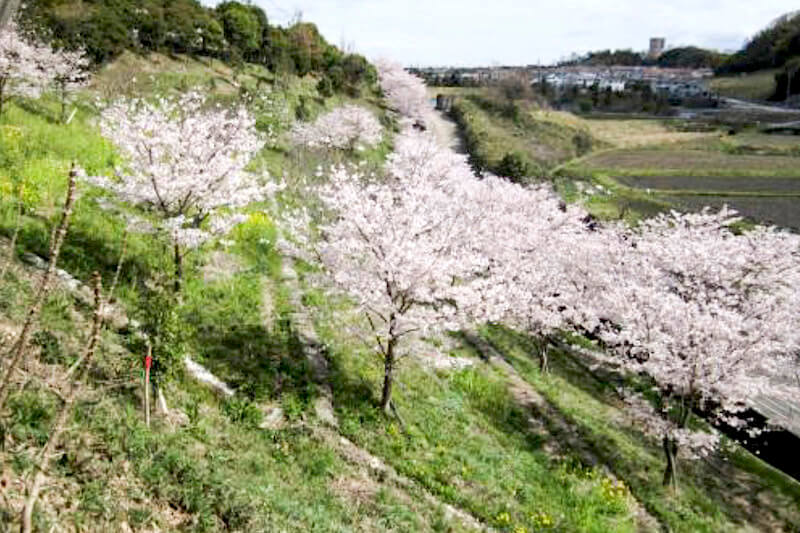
(766, 67)
(316, 361)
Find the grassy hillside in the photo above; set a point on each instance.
(759, 85)
(296, 448)
(496, 132)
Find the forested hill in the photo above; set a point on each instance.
(682, 57)
(773, 47)
(232, 31)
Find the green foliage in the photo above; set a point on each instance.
(244, 27)
(242, 411)
(49, 346)
(770, 48)
(32, 412)
(514, 166)
(691, 57)
(233, 31)
(161, 322)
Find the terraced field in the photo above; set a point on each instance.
(722, 185)
(680, 162)
(783, 211)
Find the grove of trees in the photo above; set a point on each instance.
(232, 31)
(700, 313)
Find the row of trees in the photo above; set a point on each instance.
(233, 31)
(705, 312)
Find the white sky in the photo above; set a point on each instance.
(518, 32)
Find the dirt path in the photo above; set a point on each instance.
(560, 437)
(371, 466)
(445, 130)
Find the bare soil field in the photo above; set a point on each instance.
(648, 162)
(775, 186)
(778, 211)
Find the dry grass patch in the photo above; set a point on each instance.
(636, 133)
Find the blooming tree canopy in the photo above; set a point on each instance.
(23, 64)
(710, 315)
(344, 128)
(405, 92)
(400, 246)
(185, 160)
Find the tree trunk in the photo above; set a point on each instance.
(2, 91)
(388, 378)
(544, 362)
(178, 268)
(63, 103)
(671, 471)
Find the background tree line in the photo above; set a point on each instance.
(232, 31)
(681, 57)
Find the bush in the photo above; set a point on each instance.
(514, 166)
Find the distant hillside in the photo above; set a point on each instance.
(691, 57)
(232, 31)
(771, 48)
(683, 57)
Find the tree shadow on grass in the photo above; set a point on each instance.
(35, 108)
(256, 362)
(741, 493)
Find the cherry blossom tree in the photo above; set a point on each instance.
(405, 93)
(400, 247)
(530, 241)
(22, 65)
(708, 314)
(345, 128)
(186, 161)
(69, 71)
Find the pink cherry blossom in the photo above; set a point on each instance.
(345, 128)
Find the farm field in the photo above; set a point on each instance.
(766, 186)
(636, 133)
(679, 162)
(783, 211)
(755, 173)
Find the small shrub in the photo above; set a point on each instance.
(514, 166)
(242, 412)
(49, 345)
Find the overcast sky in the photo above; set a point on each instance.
(518, 32)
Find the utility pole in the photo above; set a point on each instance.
(8, 8)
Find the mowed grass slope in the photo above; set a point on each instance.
(730, 491)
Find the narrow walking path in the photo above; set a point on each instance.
(560, 437)
(327, 432)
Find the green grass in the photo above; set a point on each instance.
(466, 440)
(708, 500)
(755, 86)
(494, 129)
